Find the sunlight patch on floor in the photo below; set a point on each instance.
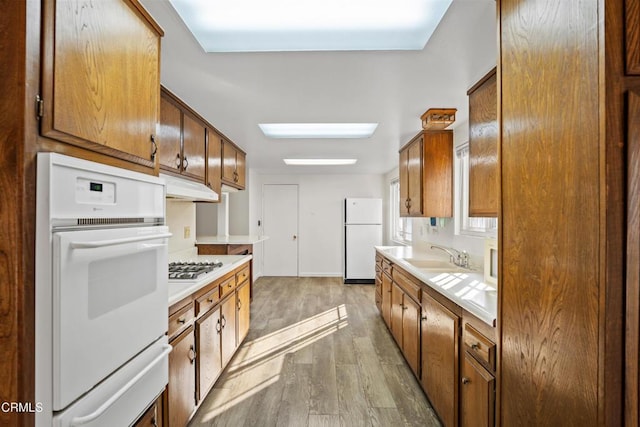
(260, 360)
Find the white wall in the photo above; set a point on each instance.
(181, 214)
(320, 224)
(444, 232)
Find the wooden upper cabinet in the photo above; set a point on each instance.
(193, 147)
(169, 135)
(426, 175)
(101, 77)
(484, 184)
(233, 165)
(214, 160)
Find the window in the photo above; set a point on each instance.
(474, 226)
(400, 227)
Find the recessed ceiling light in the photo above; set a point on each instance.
(291, 25)
(320, 162)
(318, 130)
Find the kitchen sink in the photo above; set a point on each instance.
(430, 264)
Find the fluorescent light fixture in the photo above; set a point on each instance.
(293, 25)
(318, 130)
(320, 162)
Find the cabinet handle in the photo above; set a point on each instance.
(209, 300)
(404, 307)
(186, 163)
(224, 322)
(154, 146)
(182, 320)
(465, 380)
(475, 346)
(424, 317)
(239, 304)
(218, 327)
(192, 351)
(178, 161)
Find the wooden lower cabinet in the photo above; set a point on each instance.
(208, 329)
(396, 313)
(152, 417)
(181, 390)
(477, 395)
(440, 337)
(243, 301)
(411, 333)
(228, 322)
(386, 299)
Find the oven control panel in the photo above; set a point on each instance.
(95, 192)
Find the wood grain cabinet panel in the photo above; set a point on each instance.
(404, 181)
(181, 390)
(483, 147)
(411, 333)
(214, 160)
(152, 417)
(397, 299)
(415, 164)
(193, 148)
(632, 36)
(440, 337)
(477, 395)
(386, 299)
(169, 135)
(228, 321)
(209, 367)
(233, 165)
(101, 77)
(243, 301)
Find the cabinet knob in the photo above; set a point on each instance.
(424, 317)
(465, 380)
(209, 300)
(475, 346)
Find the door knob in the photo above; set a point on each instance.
(295, 237)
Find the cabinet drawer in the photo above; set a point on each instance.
(378, 285)
(227, 286)
(407, 284)
(180, 319)
(207, 301)
(387, 267)
(479, 346)
(242, 275)
(379, 261)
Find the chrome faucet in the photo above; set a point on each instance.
(461, 259)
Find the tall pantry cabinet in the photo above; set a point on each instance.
(563, 89)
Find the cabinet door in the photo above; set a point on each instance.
(404, 182)
(193, 147)
(244, 310)
(411, 333)
(240, 169)
(477, 406)
(101, 85)
(152, 416)
(483, 149)
(386, 299)
(397, 297)
(169, 136)
(209, 362)
(214, 160)
(632, 35)
(181, 390)
(228, 162)
(440, 339)
(228, 321)
(437, 179)
(414, 177)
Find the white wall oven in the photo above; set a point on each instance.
(101, 293)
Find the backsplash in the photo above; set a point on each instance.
(181, 220)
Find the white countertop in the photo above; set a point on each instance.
(233, 240)
(462, 286)
(178, 291)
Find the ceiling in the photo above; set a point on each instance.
(237, 91)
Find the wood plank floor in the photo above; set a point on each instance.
(317, 354)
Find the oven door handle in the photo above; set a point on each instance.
(113, 242)
(78, 421)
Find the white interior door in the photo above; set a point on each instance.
(280, 222)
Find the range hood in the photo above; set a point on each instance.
(179, 188)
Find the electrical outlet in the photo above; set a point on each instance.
(187, 231)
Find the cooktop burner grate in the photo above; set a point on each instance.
(191, 270)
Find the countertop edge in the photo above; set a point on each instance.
(230, 240)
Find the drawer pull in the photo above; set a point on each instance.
(224, 322)
(218, 327)
(465, 380)
(209, 300)
(192, 351)
(182, 320)
(475, 346)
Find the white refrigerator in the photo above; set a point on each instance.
(362, 231)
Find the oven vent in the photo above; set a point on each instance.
(109, 221)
